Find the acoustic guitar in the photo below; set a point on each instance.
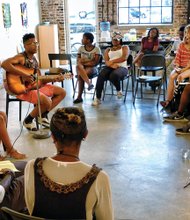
(16, 85)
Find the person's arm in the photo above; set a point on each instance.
(125, 54)
(5, 182)
(103, 208)
(156, 46)
(178, 57)
(10, 66)
(29, 185)
(184, 73)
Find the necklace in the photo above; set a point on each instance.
(68, 155)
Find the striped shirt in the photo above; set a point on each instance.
(182, 58)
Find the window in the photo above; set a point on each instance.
(145, 12)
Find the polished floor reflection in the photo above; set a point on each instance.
(141, 154)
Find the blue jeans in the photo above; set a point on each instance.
(114, 75)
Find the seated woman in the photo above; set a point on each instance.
(62, 186)
(4, 137)
(149, 44)
(181, 65)
(87, 59)
(116, 67)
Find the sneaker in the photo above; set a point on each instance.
(91, 86)
(96, 102)
(119, 94)
(76, 101)
(30, 126)
(183, 130)
(175, 117)
(44, 122)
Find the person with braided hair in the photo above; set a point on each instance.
(63, 186)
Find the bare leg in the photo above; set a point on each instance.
(171, 85)
(4, 137)
(81, 87)
(48, 104)
(82, 72)
(88, 70)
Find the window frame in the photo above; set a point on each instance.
(138, 10)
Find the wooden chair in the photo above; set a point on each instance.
(63, 57)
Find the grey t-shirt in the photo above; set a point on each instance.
(88, 55)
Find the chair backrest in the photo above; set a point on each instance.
(9, 214)
(130, 60)
(153, 60)
(60, 56)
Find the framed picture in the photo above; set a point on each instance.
(6, 15)
(24, 14)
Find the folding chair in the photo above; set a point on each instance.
(152, 63)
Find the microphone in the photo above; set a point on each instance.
(41, 133)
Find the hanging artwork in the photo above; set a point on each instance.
(24, 14)
(6, 15)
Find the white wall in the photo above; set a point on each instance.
(11, 37)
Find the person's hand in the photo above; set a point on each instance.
(109, 63)
(6, 171)
(178, 70)
(180, 78)
(59, 78)
(28, 78)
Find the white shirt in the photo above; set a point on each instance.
(98, 198)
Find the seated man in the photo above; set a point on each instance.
(87, 59)
(12, 188)
(50, 95)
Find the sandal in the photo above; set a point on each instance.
(16, 154)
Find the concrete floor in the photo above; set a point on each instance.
(141, 154)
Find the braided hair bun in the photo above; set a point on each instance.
(68, 123)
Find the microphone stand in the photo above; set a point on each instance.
(41, 133)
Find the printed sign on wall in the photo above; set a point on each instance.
(24, 14)
(6, 15)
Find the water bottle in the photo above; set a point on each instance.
(105, 30)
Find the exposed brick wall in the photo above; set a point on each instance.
(180, 17)
(53, 11)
